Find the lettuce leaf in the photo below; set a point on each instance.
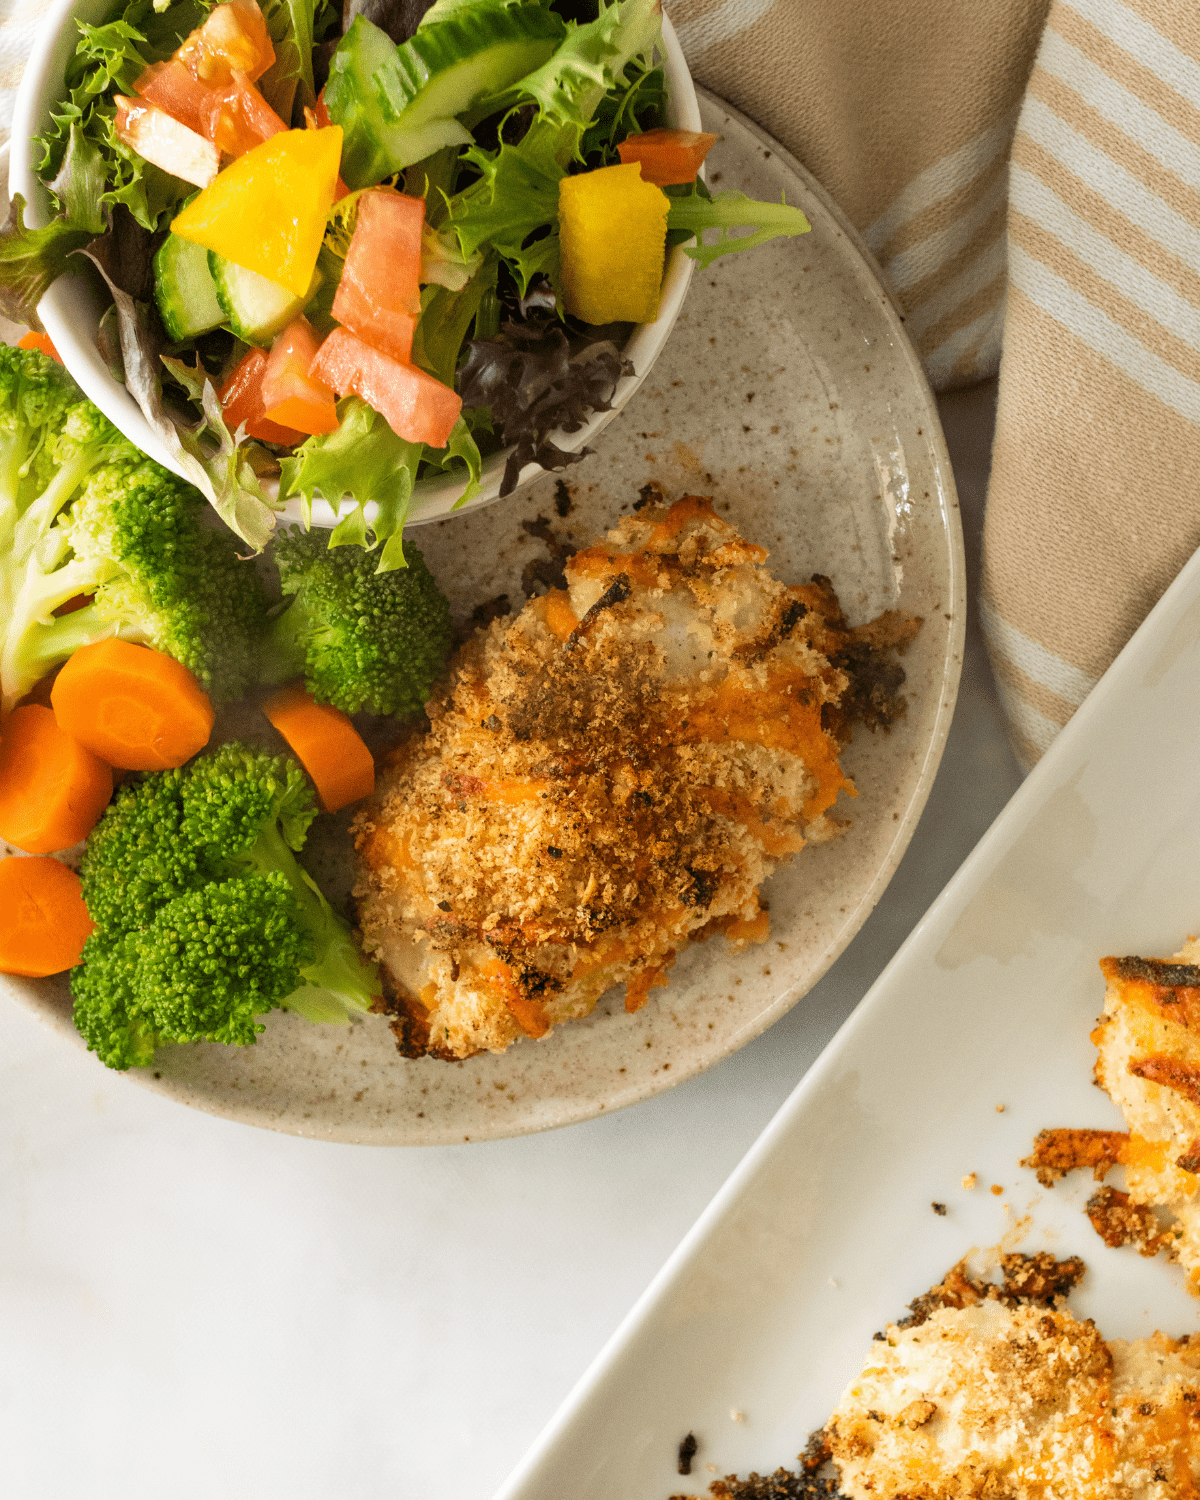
(289, 79)
(514, 198)
(461, 449)
(30, 259)
(80, 148)
(591, 61)
(365, 461)
(534, 381)
(446, 318)
(639, 105)
(693, 211)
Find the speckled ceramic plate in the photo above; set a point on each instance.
(790, 393)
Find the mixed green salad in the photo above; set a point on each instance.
(197, 147)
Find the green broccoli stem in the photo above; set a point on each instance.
(341, 980)
(35, 640)
(36, 518)
(48, 644)
(281, 649)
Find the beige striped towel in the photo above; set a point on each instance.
(905, 109)
(1027, 172)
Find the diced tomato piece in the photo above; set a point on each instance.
(40, 342)
(238, 118)
(321, 112)
(290, 395)
(242, 398)
(232, 40)
(379, 295)
(667, 156)
(159, 138)
(417, 407)
(172, 87)
(386, 328)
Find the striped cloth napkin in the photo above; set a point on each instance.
(1027, 173)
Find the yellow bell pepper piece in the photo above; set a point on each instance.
(266, 211)
(613, 233)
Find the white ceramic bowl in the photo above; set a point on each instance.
(71, 309)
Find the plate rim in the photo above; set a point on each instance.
(930, 751)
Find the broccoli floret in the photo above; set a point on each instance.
(361, 639)
(83, 512)
(137, 857)
(217, 958)
(204, 918)
(104, 986)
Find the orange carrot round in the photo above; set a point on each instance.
(327, 745)
(135, 708)
(43, 921)
(52, 789)
(40, 342)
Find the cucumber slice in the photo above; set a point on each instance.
(397, 105)
(184, 289)
(254, 308)
(475, 52)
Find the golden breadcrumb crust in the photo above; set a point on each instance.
(991, 1401)
(607, 777)
(1148, 1062)
(991, 1391)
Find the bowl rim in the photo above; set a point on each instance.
(67, 309)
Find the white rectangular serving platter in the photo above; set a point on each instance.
(973, 1039)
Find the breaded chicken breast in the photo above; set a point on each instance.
(608, 776)
(1009, 1401)
(996, 1391)
(1148, 1044)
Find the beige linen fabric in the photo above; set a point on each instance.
(1094, 503)
(905, 110)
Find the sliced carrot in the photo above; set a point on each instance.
(135, 708)
(52, 788)
(43, 921)
(667, 156)
(40, 342)
(328, 746)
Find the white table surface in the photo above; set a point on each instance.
(192, 1309)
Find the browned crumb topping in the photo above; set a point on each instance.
(610, 776)
(1057, 1152)
(784, 1484)
(868, 659)
(1031, 1281)
(687, 1451)
(1157, 971)
(1036, 1279)
(1148, 1062)
(1120, 1222)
